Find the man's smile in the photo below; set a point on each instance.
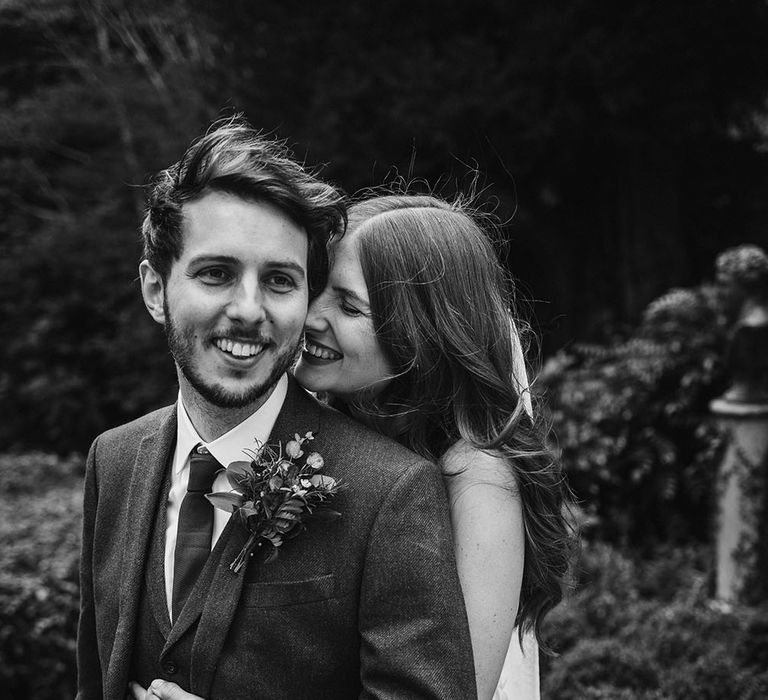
(239, 348)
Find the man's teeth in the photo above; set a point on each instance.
(238, 349)
(322, 352)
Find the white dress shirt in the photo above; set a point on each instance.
(250, 434)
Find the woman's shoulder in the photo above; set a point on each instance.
(465, 464)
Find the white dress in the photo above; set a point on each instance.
(519, 678)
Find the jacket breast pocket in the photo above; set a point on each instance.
(275, 594)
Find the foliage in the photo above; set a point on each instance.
(745, 266)
(639, 443)
(632, 418)
(113, 93)
(645, 628)
(621, 149)
(39, 529)
(273, 495)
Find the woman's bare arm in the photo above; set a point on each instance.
(487, 521)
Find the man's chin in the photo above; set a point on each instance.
(222, 390)
(234, 397)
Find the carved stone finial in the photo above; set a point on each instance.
(744, 271)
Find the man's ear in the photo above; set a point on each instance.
(153, 291)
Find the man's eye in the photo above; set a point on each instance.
(213, 275)
(281, 282)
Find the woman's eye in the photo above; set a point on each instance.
(350, 310)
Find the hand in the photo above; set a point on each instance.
(160, 690)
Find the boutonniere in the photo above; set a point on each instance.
(274, 494)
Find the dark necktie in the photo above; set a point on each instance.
(193, 541)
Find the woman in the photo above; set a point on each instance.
(414, 335)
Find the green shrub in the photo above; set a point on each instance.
(646, 628)
(632, 420)
(753, 648)
(632, 417)
(40, 533)
(36, 472)
(599, 665)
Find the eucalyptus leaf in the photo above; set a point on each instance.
(326, 514)
(322, 482)
(237, 471)
(291, 506)
(226, 500)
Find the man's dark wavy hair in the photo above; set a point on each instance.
(233, 157)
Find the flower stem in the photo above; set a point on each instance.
(242, 559)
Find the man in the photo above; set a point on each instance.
(368, 605)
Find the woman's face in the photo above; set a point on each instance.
(342, 355)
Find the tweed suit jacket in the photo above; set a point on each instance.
(365, 606)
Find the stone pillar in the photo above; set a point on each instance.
(740, 531)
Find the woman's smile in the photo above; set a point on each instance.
(317, 351)
(342, 355)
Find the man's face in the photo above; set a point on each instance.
(234, 303)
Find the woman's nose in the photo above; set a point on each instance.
(317, 318)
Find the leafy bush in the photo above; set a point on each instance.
(632, 417)
(40, 532)
(645, 628)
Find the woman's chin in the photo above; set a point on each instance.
(311, 376)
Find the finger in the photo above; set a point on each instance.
(136, 691)
(165, 690)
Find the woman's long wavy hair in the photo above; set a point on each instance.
(442, 308)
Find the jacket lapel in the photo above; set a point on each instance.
(217, 610)
(204, 584)
(154, 579)
(299, 414)
(145, 493)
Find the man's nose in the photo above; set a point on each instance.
(247, 303)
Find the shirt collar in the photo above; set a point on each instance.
(251, 433)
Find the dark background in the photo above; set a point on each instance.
(622, 146)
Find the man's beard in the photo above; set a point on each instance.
(181, 345)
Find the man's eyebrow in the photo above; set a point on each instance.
(344, 292)
(231, 260)
(286, 265)
(205, 257)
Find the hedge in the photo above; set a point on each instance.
(40, 532)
